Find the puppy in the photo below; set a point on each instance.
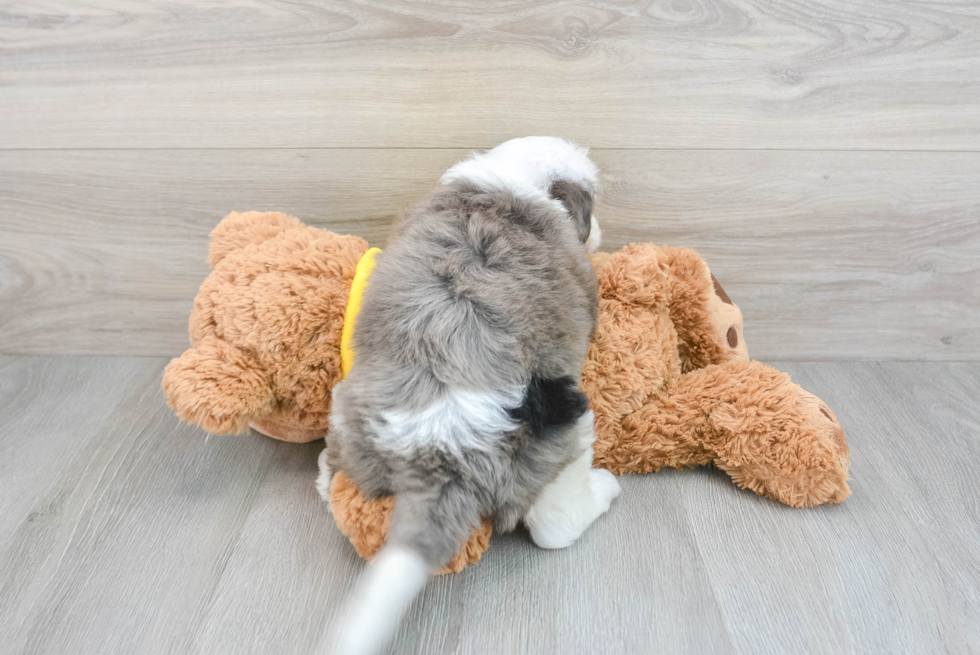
(464, 400)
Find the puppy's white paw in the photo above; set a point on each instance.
(323, 479)
(570, 503)
(605, 487)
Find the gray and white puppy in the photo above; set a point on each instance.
(464, 400)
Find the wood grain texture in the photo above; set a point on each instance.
(858, 255)
(906, 536)
(393, 73)
(829, 255)
(104, 529)
(123, 531)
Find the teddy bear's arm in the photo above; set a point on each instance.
(747, 419)
(708, 323)
(217, 386)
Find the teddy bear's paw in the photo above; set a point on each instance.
(726, 320)
(821, 449)
(796, 455)
(821, 417)
(323, 479)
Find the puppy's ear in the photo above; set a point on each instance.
(578, 201)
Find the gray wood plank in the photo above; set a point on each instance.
(289, 572)
(633, 582)
(122, 543)
(892, 569)
(50, 409)
(830, 255)
(288, 578)
(390, 73)
(132, 533)
(104, 248)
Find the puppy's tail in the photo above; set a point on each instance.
(397, 575)
(426, 530)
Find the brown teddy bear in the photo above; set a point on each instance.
(668, 373)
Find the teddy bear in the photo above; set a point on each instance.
(668, 374)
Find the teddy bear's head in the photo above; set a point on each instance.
(265, 328)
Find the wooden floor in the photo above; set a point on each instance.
(823, 155)
(122, 531)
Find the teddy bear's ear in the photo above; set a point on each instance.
(218, 387)
(235, 231)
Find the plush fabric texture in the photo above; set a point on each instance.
(365, 522)
(668, 373)
(265, 328)
(670, 388)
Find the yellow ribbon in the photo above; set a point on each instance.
(357, 286)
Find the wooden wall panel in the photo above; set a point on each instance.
(392, 73)
(858, 255)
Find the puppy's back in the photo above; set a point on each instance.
(470, 342)
(480, 289)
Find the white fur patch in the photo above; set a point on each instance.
(460, 420)
(572, 501)
(527, 166)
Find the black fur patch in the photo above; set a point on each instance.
(551, 403)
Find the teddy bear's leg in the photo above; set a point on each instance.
(665, 430)
(366, 521)
(708, 323)
(575, 499)
(751, 421)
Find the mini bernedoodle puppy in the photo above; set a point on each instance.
(464, 400)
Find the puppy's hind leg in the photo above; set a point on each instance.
(571, 502)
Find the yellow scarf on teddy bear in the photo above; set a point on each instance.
(357, 286)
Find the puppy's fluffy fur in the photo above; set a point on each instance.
(464, 399)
